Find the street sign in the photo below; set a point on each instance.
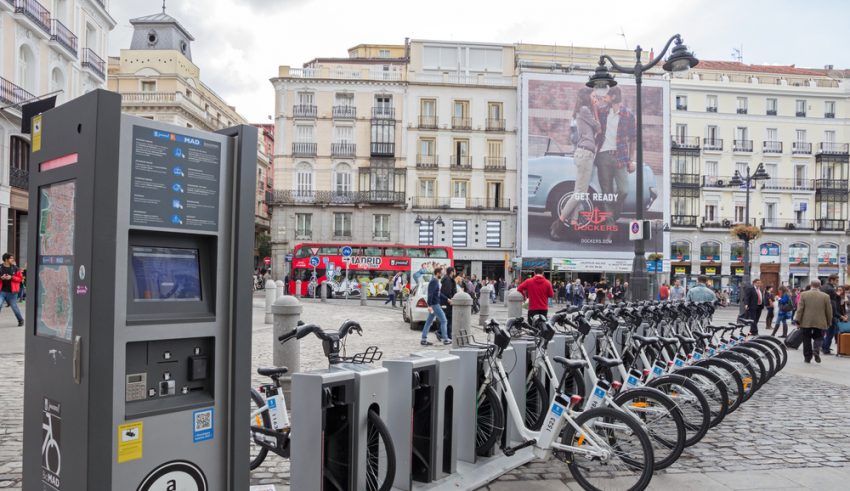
(267, 260)
(346, 251)
(325, 260)
(314, 250)
(314, 261)
(843, 259)
(289, 258)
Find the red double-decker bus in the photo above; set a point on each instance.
(370, 268)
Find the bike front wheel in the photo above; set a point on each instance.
(628, 464)
(536, 403)
(380, 454)
(661, 419)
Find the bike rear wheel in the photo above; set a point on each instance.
(490, 421)
(661, 419)
(691, 401)
(257, 451)
(730, 376)
(380, 454)
(536, 403)
(714, 389)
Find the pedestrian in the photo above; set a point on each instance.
(538, 291)
(435, 310)
(752, 303)
(664, 292)
(814, 315)
(701, 292)
(830, 289)
(769, 302)
(619, 291)
(11, 278)
(785, 307)
(448, 288)
(677, 292)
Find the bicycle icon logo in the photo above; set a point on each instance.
(51, 453)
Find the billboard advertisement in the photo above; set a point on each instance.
(578, 148)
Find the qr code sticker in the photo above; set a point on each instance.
(203, 420)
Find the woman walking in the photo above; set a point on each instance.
(769, 303)
(784, 311)
(587, 126)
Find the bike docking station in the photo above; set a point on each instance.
(135, 372)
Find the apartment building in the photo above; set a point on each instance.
(57, 48)
(729, 117)
(340, 173)
(158, 80)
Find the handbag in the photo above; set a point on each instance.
(844, 327)
(786, 307)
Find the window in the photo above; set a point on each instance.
(426, 188)
(741, 133)
(303, 225)
(829, 137)
(304, 180)
(681, 103)
(770, 213)
(800, 175)
(740, 211)
(305, 98)
(712, 141)
(494, 233)
(741, 167)
(829, 109)
(383, 53)
(801, 107)
(459, 229)
(459, 189)
(461, 153)
(680, 250)
(681, 133)
(381, 226)
(148, 85)
(770, 106)
(27, 69)
(709, 251)
(711, 103)
(680, 164)
(460, 109)
(342, 224)
(304, 133)
(772, 135)
(426, 235)
(494, 149)
(427, 147)
(494, 194)
(711, 168)
(342, 178)
(772, 170)
(428, 108)
(494, 110)
(736, 250)
(344, 99)
(801, 136)
(742, 105)
(800, 212)
(383, 106)
(383, 131)
(710, 212)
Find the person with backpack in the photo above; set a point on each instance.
(784, 312)
(11, 278)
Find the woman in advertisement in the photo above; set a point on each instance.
(585, 131)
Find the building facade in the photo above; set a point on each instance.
(55, 48)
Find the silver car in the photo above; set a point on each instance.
(414, 308)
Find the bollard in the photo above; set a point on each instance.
(461, 319)
(364, 295)
(484, 313)
(502, 296)
(287, 313)
(324, 292)
(280, 288)
(271, 295)
(298, 289)
(515, 300)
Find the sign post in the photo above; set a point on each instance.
(314, 261)
(346, 254)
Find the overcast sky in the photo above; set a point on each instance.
(240, 43)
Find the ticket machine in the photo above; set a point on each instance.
(138, 334)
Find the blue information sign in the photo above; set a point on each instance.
(346, 251)
(289, 258)
(314, 261)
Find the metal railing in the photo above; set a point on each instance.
(19, 178)
(791, 184)
(715, 144)
(470, 203)
(776, 224)
(461, 123)
(35, 12)
(769, 146)
(831, 185)
(684, 142)
(727, 222)
(343, 149)
(829, 115)
(741, 110)
(716, 181)
(381, 149)
(800, 114)
(427, 122)
(304, 149)
(12, 94)
(683, 220)
(310, 197)
(94, 63)
(495, 124)
(742, 145)
(681, 107)
(383, 112)
(461, 161)
(711, 109)
(831, 224)
(495, 163)
(344, 112)
(426, 161)
(304, 111)
(801, 148)
(63, 36)
(684, 180)
(148, 97)
(770, 112)
(378, 197)
(832, 148)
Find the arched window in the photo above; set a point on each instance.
(798, 253)
(680, 250)
(26, 69)
(709, 251)
(342, 178)
(827, 254)
(304, 180)
(736, 252)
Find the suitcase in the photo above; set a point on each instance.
(795, 339)
(844, 344)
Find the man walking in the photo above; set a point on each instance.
(538, 290)
(701, 292)
(829, 289)
(435, 310)
(448, 289)
(814, 315)
(11, 282)
(677, 292)
(752, 303)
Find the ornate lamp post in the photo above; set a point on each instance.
(737, 181)
(438, 220)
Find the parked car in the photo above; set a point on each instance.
(414, 308)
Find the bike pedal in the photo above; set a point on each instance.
(510, 451)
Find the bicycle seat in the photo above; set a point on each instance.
(668, 341)
(272, 372)
(644, 340)
(607, 362)
(569, 363)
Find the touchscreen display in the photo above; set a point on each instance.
(165, 274)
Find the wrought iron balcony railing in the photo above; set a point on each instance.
(461, 123)
(94, 63)
(343, 149)
(769, 146)
(801, 148)
(35, 12)
(713, 144)
(427, 122)
(304, 111)
(495, 124)
(63, 36)
(344, 112)
(304, 149)
(742, 145)
(495, 164)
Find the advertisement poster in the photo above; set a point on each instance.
(579, 165)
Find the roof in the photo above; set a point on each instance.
(736, 66)
(358, 61)
(161, 18)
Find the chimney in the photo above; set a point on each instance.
(828, 67)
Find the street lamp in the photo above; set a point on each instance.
(680, 60)
(737, 181)
(438, 220)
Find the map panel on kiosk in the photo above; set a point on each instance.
(55, 268)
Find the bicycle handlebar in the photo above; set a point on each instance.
(347, 327)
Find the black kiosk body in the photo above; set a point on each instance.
(139, 325)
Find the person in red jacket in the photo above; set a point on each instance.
(538, 291)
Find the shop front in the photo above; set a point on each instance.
(769, 254)
(680, 260)
(799, 269)
(592, 270)
(709, 256)
(827, 261)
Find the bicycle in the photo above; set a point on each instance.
(271, 426)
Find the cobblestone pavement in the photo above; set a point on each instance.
(794, 422)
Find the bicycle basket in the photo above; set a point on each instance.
(371, 354)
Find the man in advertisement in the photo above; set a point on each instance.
(616, 156)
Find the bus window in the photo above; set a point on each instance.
(416, 252)
(373, 251)
(303, 252)
(439, 253)
(394, 251)
(329, 250)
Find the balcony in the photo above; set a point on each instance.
(771, 112)
(800, 114)
(832, 148)
(684, 180)
(383, 112)
(742, 145)
(712, 144)
(12, 94)
(679, 142)
(426, 162)
(343, 149)
(495, 124)
(788, 184)
(830, 225)
(94, 63)
(303, 149)
(344, 112)
(742, 110)
(495, 164)
(683, 221)
(304, 111)
(35, 12)
(716, 181)
(711, 109)
(726, 223)
(19, 178)
(469, 203)
(63, 36)
(801, 148)
(803, 224)
(381, 197)
(427, 122)
(831, 185)
(461, 123)
(829, 115)
(461, 162)
(381, 149)
(310, 197)
(769, 146)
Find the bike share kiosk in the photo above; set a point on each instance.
(140, 257)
